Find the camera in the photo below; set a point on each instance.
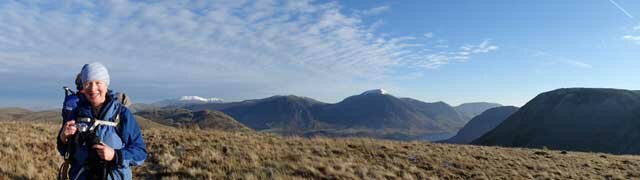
(86, 132)
(86, 136)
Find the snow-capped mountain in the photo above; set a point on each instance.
(184, 100)
(197, 99)
(375, 91)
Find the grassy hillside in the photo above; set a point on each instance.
(28, 151)
(184, 118)
(8, 114)
(147, 124)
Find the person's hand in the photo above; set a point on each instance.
(68, 130)
(104, 152)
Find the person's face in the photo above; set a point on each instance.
(95, 92)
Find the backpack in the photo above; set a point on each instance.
(71, 100)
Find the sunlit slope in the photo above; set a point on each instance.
(28, 151)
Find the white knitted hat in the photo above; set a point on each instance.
(94, 71)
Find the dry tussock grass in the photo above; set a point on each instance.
(28, 151)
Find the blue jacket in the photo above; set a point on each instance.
(128, 144)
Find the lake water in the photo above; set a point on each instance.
(437, 137)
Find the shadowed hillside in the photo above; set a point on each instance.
(377, 111)
(582, 119)
(291, 113)
(482, 124)
(29, 153)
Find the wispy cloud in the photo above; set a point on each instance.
(635, 39)
(483, 47)
(559, 59)
(632, 37)
(214, 48)
(374, 11)
(429, 35)
(621, 9)
(576, 63)
(462, 54)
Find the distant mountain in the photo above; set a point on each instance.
(183, 118)
(24, 115)
(291, 113)
(384, 111)
(382, 115)
(186, 100)
(471, 110)
(373, 113)
(439, 111)
(51, 117)
(582, 119)
(9, 114)
(482, 124)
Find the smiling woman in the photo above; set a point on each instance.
(112, 143)
(95, 79)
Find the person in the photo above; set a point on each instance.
(110, 149)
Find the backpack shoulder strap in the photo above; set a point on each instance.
(118, 122)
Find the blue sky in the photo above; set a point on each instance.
(454, 51)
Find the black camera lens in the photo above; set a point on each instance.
(82, 127)
(83, 124)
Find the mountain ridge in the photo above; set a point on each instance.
(369, 113)
(581, 119)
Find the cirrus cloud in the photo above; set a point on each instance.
(632, 37)
(211, 48)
